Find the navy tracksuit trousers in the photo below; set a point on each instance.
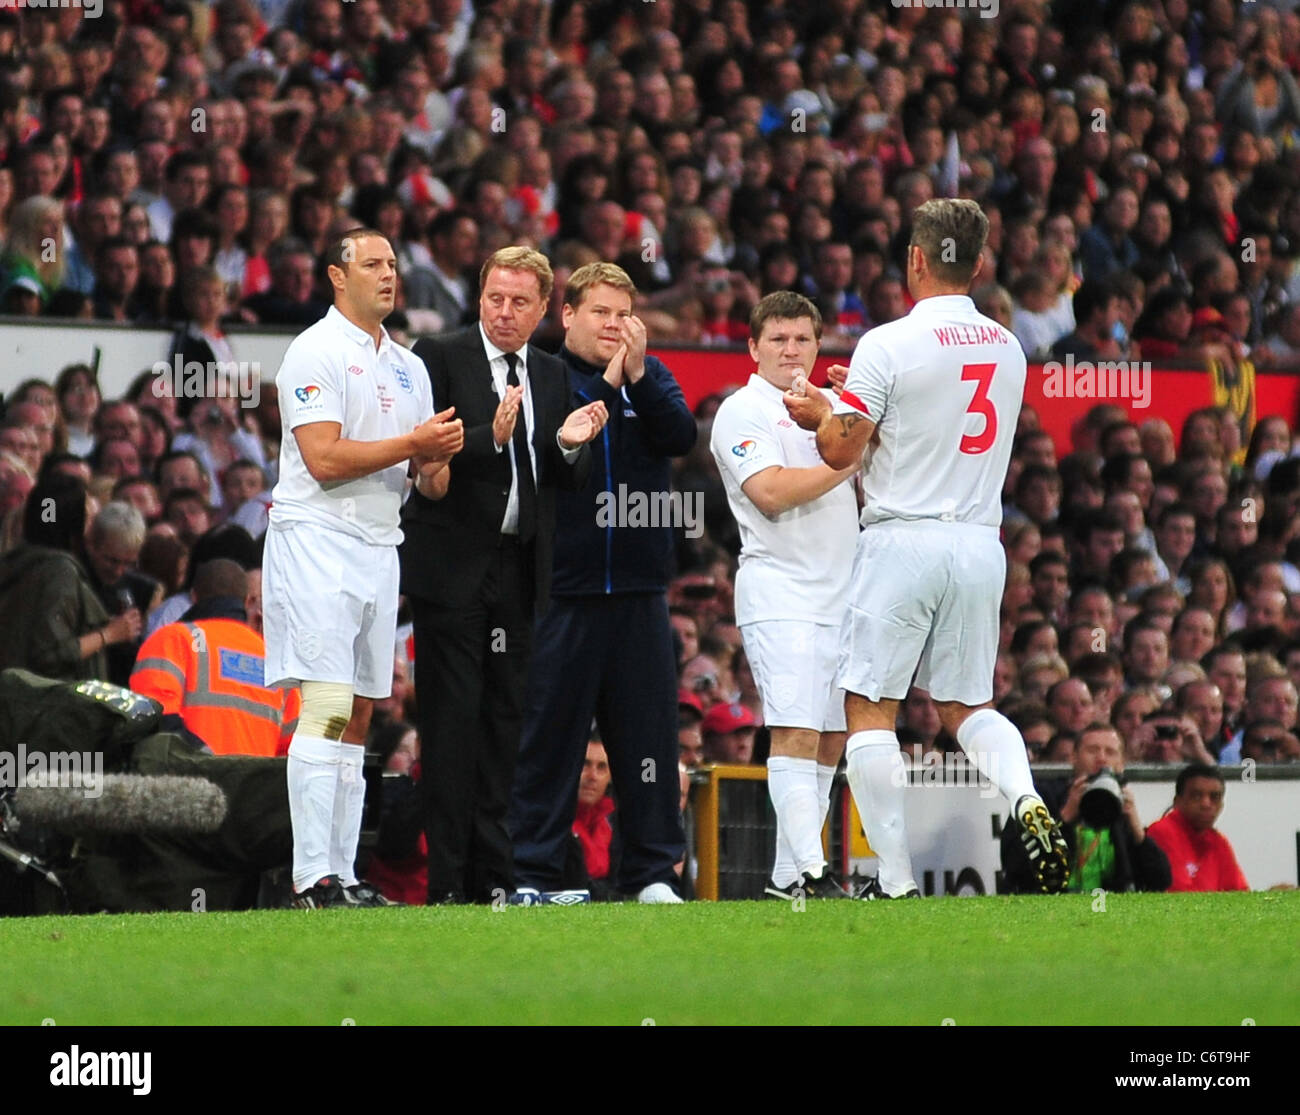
(609, 658)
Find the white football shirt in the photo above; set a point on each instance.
(332, 372)
(797, 565)
(944, 386)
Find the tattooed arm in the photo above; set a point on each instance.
(843, 438)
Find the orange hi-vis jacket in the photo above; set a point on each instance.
(210, 673)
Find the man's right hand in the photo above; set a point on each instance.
(503, 422)
(123, 628)
(440, 438)
(614, 373)
(836, 376)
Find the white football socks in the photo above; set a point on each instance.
(784, 872)
(792, 785)
(312, 777)
(997, 749)
(349, 802)
(878, 780)
(825, 780)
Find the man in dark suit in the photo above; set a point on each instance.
(476, 566)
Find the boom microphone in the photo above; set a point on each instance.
(135, 804)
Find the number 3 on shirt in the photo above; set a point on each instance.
(980, 404)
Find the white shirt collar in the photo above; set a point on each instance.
(353, 331)
(759, 384)
(494, 353)
(942, 303)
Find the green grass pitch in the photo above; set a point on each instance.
(1144, 959)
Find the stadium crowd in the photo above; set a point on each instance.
(176, 164)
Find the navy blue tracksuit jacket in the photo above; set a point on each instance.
(604, 648)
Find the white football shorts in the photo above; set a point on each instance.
(793, 663)
(923, 600)
(329, 606)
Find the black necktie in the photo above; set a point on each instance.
(523, 462)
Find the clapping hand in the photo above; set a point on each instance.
(583, 425)
(439, 439)
(503, 422)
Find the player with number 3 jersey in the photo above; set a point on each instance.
(942, 389)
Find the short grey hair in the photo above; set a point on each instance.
(950, 233)
(121, 520)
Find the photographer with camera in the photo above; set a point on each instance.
(1109, 847)
(1259, 94)
(1166, 736)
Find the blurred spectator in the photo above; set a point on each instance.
(1200, 857)
(113, 546)
(1202, 702)
(289, 300)
(685, 634)
(31, 267)
(690, 737)
(79, 399)
(98, 218)
(918, 714)
(217, 439)
(1039, 673)
(1146, 651)
(453, 248)
(188, 178)
(21, 441)
(728, 734)
(117, 272)
(591, 822)
(180, 468)
(1175, 539)
(700, 676)
(1070, 705)
(58, 627)
(1270, 698)
(1165, 736)
(399, 864)
(188, 510)
(226, 541)
(1035, 727)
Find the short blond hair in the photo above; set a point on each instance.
(592, 275)
(517, 258)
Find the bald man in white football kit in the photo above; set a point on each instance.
(942, 387)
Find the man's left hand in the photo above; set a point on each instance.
(1131, 815)
(1194, 749)
(583, 425)
(634, 338)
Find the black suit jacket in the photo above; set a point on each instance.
(449, 542)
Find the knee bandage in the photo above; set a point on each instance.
(326, 709)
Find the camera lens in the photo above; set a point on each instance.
(1102, 802)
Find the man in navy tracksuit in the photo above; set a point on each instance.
(604, 647)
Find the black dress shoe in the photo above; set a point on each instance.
(447, 898)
